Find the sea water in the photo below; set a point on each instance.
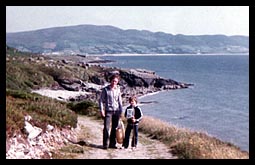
(217, 104)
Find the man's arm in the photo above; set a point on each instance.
(101, 102)
(120, 103)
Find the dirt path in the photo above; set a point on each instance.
(147, 148)
(90, 134)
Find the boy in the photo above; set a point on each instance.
(133, 114)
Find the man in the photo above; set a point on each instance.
(110, 104)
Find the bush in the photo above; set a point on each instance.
(88, 108)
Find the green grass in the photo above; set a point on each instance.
(43, 111)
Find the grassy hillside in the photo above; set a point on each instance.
(24, 73)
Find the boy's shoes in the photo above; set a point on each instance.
(128, 149)
(123, 147)
(133, 148)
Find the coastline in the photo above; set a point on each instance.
(65, 95)
(199, 54)
(59, 94)
(139, 97)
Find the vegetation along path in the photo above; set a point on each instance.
(92, 130)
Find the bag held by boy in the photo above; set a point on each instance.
(120, 132)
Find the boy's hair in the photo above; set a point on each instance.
(132, 98)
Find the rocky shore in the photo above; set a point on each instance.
(137, 82)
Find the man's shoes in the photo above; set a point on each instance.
(113, 147)
(105, 147)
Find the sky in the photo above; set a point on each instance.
(186, 20)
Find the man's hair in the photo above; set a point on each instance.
(114, 76)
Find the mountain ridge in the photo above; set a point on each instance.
(106, 39)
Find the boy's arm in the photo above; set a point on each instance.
(140, 114)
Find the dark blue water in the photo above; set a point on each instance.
(217, 104)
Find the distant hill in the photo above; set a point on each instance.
(92, 39)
